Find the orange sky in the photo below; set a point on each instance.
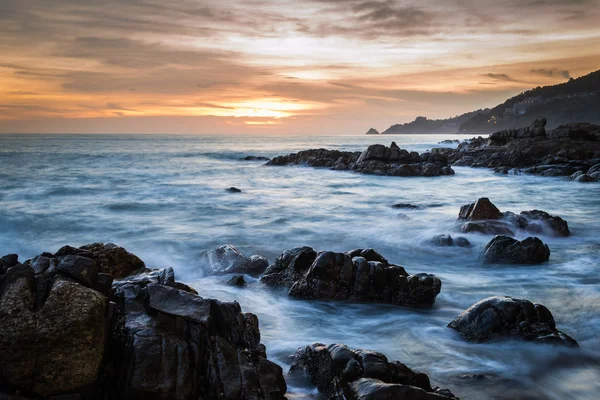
(281, 66)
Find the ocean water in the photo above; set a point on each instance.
(164, 199)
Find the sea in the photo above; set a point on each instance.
(164, 198)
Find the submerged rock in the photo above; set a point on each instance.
(227, 259)
(506, 317)
(504, 249)
(69, 331)
(447, 241)
(254, 158)
(233, 190)
(377, 159)
(237, 280)
(358, 275)
(343, 373)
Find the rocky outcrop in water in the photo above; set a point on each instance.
(341, 373)
(567, 150)
(377, 159)
(372, 131)
(227, 259)
(255, 158)
(506, 317)
(69, 331)
(484, 217)
(359, 275)
(449, 241)
(506, 250)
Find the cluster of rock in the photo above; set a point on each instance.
(377, 159)
(484, 217)
(69, 331)
(500, 317)
(569, 150)
(341, 373)
(358, 275)
(227, 259)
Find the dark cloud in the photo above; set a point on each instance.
(500, 77)
(551, 72)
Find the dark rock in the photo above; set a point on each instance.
(449, 141)
(406, 205)
(377, 159)
(487, 228)
(10, 260)
(447, 241)
(483, 209)
(227, 259)
(67, 334)
(584, 178)
(360, 275)
(234, 190)
(462, 242)
(112, 259)
(372, 131)
(498, 317)
(255, 158)
(237, 280)
(503, 249)
(342, 373)
(556, 225)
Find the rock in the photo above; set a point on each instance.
(233, 190)
(112, 259)
(372, 131)
(506, 250)
(462, 242)
(593, 169)
(343, 373)
(406, 205)
(536, 129)
(554, 224)
(254, 158)
(442, 241)
(9, 260)
(237, 280)
(360, 275)
(227, 259)
(585, 178)
(487, 228)
(377, 159)
(482, 209)
(57, 348)
(449, 141)
(66, 333)
(500, 317)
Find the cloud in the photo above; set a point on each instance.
(551, 72)
(500, 77)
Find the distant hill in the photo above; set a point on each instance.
(577, 100)
(424, 125)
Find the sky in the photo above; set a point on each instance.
(278, 66)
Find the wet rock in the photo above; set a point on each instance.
(360, 275)
(343, 373)
(537, 128)
(9, 260)
(557, 226)
(233, 190)
(449, 141)
(506, 317)
(487, 228)
(447, 241)
(255, 158)
(584, 178)
(70, 332)
(406, 206)
(237, 280)
(227, 259)
(482, 209)
(506, 250)
(377, 159)
(112, 259)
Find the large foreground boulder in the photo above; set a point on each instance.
(501, 317)
(506, 250)
(358, 275)
(109, 258)
(227, 259)
(341, 373)
(69, 331)
(484, 217)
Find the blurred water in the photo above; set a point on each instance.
(164, 198)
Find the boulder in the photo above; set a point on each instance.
(554, 225)
(227, 259)
(111, 259)
(359, 275)
(237, 280)
(69, 331)
(9, 260)
(343, 373)
(506, 317)
(487, 228)
(482, 209)
(233, 190)
(447, 241)
(506, 250)
(255, 158)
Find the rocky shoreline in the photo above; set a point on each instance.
(94, 322)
